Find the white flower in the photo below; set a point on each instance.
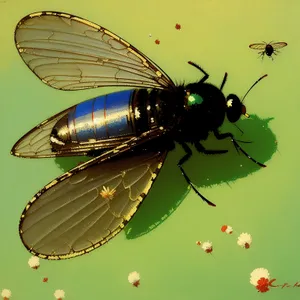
(59, 294)
(134, 278)
(244, 240)
(227, 229)
(6, 294)
(258, 274)
(34, 262)
(207, 247)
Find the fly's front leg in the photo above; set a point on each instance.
(200, 69)
(224, 81)
(184, 159)
(222, 136)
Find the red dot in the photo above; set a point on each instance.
(178, 26)
(223, 228)
(209, 250)
(157, 42)
(45, 279)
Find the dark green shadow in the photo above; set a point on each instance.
(204, 170)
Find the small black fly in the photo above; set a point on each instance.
(268, 48)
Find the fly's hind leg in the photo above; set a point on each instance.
(184, 159)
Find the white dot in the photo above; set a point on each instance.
(150, 35)
(241, 165)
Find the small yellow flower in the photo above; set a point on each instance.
(257, 274)
(107, 193)
(207, 247)
(34, 262)
(245, 240)
(6, 294)
(134, 278)
(59, 294)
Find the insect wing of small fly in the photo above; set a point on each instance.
(278, 45)
(258, 46)
(262, 46)
(84, 208)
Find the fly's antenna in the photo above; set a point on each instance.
(253, 86)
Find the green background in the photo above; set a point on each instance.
(159, 243)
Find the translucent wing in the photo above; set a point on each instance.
(36, 143)
(258, 46)
(278, 45)
(69, 53)
(87, 206)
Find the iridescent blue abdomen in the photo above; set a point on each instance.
(103, 117)
(106, 121)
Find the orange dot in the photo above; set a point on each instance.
(223, 228)
(178, 26)
(157, 42)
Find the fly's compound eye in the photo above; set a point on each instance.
(193, 99)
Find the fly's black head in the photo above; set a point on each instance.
(235, 108)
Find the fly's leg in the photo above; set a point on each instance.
(185, 158)
(200, 69)
(261, 54)
(222, 136)
(224, 81)
(201, 149)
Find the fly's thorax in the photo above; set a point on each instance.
(155, 108)
(205, 107)
(269, 50)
